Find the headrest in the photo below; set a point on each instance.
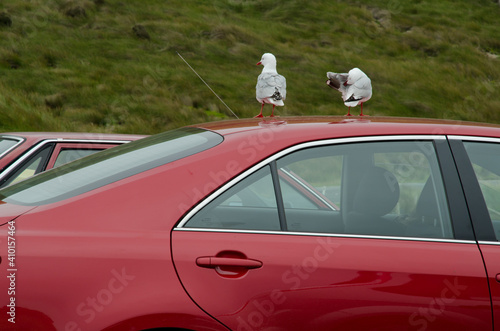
(377, 193)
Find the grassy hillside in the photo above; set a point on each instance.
(112, 65)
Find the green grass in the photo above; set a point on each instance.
(434, 59)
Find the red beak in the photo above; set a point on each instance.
(259, 63)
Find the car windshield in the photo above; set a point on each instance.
(109, 166)
(6, 144)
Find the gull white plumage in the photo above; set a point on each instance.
(271, 86)
(355, 86)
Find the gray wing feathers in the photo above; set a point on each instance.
(337, 80)
(268, 83)
(341, 78)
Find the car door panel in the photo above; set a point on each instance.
(334, 282)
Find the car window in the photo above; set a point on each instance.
(6, 144)
(313, 205)
(250, 205)
(318, 176)
(109, 166)
(377, 188)
(485, 158)
(34, 164)
(27, 171)
(71, 154)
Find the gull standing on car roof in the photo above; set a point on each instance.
(355, 86)
(271, 86)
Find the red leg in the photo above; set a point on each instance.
(272, 113)
(361, 110)
(260, 114)
(348, 112)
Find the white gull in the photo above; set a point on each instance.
(355, 86)
(271, 86)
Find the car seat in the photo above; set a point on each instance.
(426, 220)
(376, 196)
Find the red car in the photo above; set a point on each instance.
(24, 154)
(325, 223)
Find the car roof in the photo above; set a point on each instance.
(321, 126)
(35, 136)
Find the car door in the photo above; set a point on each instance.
(397, 253)
(479, 165)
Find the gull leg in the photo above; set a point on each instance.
(348, 112)
(260, 114)
(272, 113)
(361, 110)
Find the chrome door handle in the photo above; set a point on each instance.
(214, 262)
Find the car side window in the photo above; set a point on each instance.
(377, 188)
(421, 209)
(390, 188)
(485, 159)
(70, 154)
(35, 164)
(310, 182)
(317, 176)
(7, 144)
(249, 205)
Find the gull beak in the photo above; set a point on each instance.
(259, 63)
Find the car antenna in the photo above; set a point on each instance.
(207, 85)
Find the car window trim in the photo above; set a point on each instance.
(336, 235)
(20, 160)
(481, 221)
(19, 140)
(491, 243)
(278, 194)
(333, 141)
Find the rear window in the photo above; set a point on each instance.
(109, 166)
